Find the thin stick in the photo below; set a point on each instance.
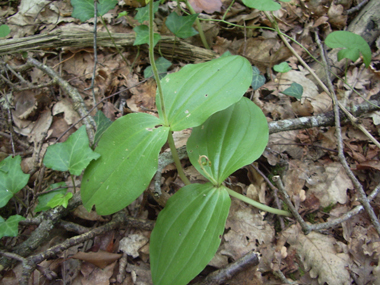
(362, 196)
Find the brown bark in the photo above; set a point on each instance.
(167, 45)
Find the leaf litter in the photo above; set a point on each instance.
(306, 159)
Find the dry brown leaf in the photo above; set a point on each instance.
(325, 257)
(94, 275)
(209, 6)
(140, 273)
(337, 18)
(100, 259)
(246, 229)
(132, 244)
(66, 107)
(329, 183)
(82, 213)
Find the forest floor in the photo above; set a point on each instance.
(333, 239)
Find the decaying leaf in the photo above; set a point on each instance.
(209, 6)
(132, 243)
(100, 259)
(322, 255)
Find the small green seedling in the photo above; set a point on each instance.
(352, 45)
(4, 31)
(258, 80)
(283, 67)
(295, 90)
(162, 67)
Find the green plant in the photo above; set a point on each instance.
(352, 45)
(73, 155)
(229, 131)
(4, 31)
(12, 180)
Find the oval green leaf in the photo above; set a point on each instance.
(199, 90)
(187, 233)
(262, 5)
(129, 151)
(352, 43)
(230, 139)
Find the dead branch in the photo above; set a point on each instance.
(167, 45)
(73, 93)
(222, 275)
(338, 132)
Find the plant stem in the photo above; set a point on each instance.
(153, 63)
(199, 26)
(257, 204)
(177, 162)
(73, 180)
(113, 41)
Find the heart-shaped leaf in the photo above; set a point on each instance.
(12, 178)
(44, 199)
(258, 80)
(283, 67)
(181, 26)
(199, 90)
(9, 228)
(295, 90)
(353, 44)
(73, 155)
(84, 9)
(129, 151)
(162, 65)
(142, 36)
(143, 13)
(187, 233)
(60, 200)
(229, 140)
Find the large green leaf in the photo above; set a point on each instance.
(199, 90)
(73, 155)
(353, 44)
(12, 178)
(129, 151)
(229, 139)
(187, 233)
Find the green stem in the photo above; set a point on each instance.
(257, 204)
(176, 159)
(208, 175)
(113, 41)
(199, 26)
(153, 63)
(72, 179)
